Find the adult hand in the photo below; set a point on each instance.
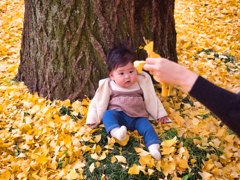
(170, 72)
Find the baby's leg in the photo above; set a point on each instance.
(114, 124)
(150, 136)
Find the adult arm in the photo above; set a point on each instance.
(222, 103)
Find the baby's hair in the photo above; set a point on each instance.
(119, 55)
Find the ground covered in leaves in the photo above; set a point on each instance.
(41, 139)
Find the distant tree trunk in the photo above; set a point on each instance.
(64, 43)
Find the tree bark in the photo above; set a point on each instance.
(64, 43)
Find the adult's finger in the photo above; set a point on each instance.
(149, 67)
(155, 60)
(151, 60)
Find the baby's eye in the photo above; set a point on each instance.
(131, 71)
(121, 73)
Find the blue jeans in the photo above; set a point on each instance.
(114, 119)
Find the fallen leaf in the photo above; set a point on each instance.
(121, 159)
(134, 170)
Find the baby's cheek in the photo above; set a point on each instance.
(135, 77)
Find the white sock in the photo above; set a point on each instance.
(119, 133)
(154, 151)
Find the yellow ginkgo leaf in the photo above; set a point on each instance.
(111, 140)
(5, 175)
(103, 156)
(193, 161)
(113, 159)
(205, 175)
(65, 118)
(150, 171)
(92, 167)
(67, 103)
(214, 157)
(95, 156)
(138, 149)
(67, 140)
(21, 155)
(158, 166)
(98, 149)
(85, 102)
(167, 150)
(76, 105)
(134, 170)
(195, 121)
(183, 163)
(229, 138)
(202, 111)
(78, 165)
(98, 164)
(42, 159)
(98, 138)
(121, 159)
(123, 143)
(73, 174)
(143, 153)
(165, 91)
(103, 177)
(216, 172)
(154, 55)
(149, 47)
(169, 143)
(139, 65)
(145, 159)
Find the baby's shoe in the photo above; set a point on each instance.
(119, 133)
(154, 151)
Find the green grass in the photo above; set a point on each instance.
(115, 171)
(9, 82)
(68, 110)
(230, 132)
(198, 154)
(229, 58)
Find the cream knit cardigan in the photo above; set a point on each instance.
(101, 99)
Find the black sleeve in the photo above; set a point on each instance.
(223, 103)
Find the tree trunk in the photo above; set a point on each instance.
(64, 43)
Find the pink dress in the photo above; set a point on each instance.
(131, 103)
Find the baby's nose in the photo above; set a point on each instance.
(127, 75)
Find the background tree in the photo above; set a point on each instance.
(64, 43)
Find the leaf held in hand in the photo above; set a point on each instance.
(139, 65)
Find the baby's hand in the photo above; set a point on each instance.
(92, 125)
(163, 120)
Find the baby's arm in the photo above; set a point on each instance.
(92, 125)
(92, 114)
(98, 104)
(164, 119)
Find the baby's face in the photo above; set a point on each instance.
(124, 76)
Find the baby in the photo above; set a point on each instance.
(126, 101)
